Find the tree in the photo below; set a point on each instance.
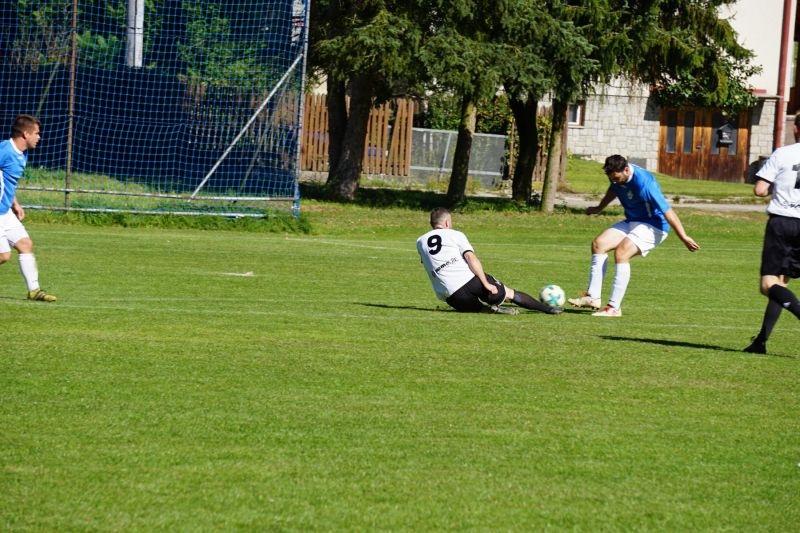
(368, 50)
(478, 45)
(549, 53)
(460, 56)
(680, 47)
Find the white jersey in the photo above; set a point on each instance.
(782, 169)
(442, 254)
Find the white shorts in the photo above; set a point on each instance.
(643, 235)
(11, 231)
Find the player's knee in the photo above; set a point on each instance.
(621, 255)
(766, 285)
(767, 282)
(24, 246)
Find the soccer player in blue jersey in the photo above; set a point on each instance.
(648, 218)
(25, 134)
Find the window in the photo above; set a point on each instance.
(672, 131)
(575, 114)
(688, 132)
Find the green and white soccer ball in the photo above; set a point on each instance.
(552, 295)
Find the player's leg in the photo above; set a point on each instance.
(471, 297)
(780, 260)
(778, 292)
(466, 299)
(606, 241)
(527, 301)
(623, 254)
(27, 264)
(771, 315)
(5, 245)
(639, 241)
(773, 253)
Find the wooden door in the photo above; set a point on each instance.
(699, 143)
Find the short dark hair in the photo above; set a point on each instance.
(615, 163)
(23, 124)
(438, 215)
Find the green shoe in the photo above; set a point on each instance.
(41, 296)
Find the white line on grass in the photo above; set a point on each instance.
(353, 244)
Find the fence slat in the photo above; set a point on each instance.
(384, 153)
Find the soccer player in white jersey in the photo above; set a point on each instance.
(780, 256)
(458, 277)
(648, 219)
(25, 134)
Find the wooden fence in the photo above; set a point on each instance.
(387, 147)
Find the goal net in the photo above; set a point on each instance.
(157, 106)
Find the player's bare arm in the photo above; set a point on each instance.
(607, 199)
(477, 269)
(675, 222)
(17, 209)
(762, 188)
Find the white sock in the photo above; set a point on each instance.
(27, 265)
(622, 275)
(596, 274)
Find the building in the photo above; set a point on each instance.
(703, 143)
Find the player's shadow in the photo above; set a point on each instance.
(681, 344)
(407, 307)
(440, 309)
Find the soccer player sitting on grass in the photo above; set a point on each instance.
(24, 135)
(457, 275)
(648, 218)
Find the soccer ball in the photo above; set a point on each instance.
(552, 295)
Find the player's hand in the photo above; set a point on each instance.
(19, 211)
(491, 288)
(691, 245)
(593, 210)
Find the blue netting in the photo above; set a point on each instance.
(118, 135)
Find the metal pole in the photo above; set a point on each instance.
(246, 126)
(135, 34)
(301, 112)
(444, 157)
(70, 113)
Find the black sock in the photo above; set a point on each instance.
(785, 298)
(528, 302)
(771, 316)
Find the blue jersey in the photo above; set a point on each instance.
(12, 163)
(642, 199)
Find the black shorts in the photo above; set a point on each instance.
(469, 297)
(781, 253)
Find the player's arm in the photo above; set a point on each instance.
(766, 175)
(607, 199)
(477, 269)
(675, 223)
(17, 209)
(762, 187)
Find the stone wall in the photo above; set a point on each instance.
(762, 128)
(619, 119)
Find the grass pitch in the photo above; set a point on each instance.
(198, 380)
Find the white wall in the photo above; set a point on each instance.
(759, 25)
